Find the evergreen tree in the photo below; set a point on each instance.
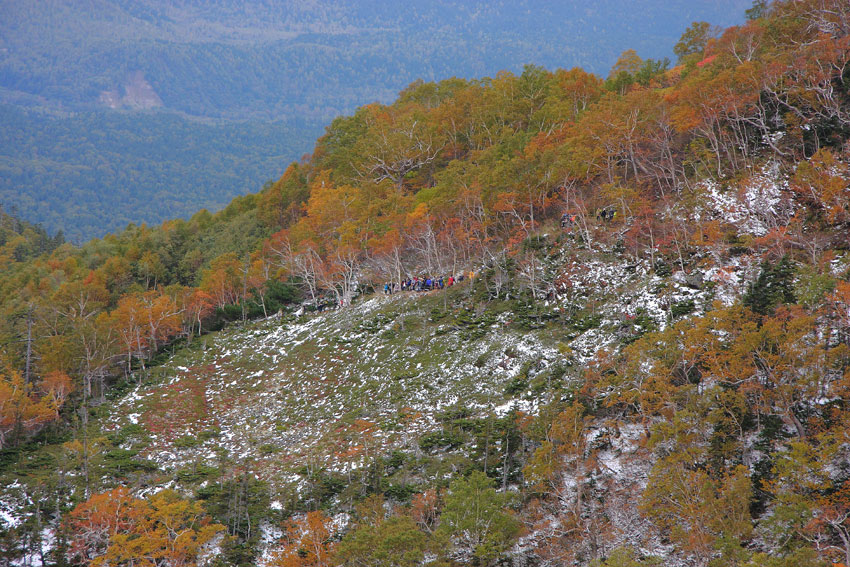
(774, 286)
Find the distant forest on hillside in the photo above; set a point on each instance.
(319, 60)
(231, 93)
(95, 172)
(645, 360)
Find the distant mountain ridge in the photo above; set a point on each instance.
(232, 60)
(242, 66)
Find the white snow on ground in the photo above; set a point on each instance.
(273, 393)
(759, 205)
(47, 541)
(13, 500)
(607, 478)
(622, 291)
(334, 389)
(345, 383)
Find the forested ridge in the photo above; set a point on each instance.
(700, 419)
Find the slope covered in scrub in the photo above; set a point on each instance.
(299, 387)
(647, 361)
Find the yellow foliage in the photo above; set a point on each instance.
(24, 407)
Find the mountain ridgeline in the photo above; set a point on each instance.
(536, 319)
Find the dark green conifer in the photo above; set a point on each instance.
(774, 286)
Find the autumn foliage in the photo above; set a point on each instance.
(25, 407)
(116, 528)
(739, 413)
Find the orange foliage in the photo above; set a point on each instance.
(144, 321)
(309, 542)
(115, 528)
(223, 281)
(425, 509)
(25, 407)
(57, 385)
(94, 522)
(822, 182)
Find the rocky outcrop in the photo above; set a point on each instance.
(138, 94)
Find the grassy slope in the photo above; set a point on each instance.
(285, 393)
(332, 389)
(303, 401)
(287, 399)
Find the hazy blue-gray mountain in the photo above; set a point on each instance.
(296, 64)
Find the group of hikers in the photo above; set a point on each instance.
(605, 214)
(425, 283)
(428, 283)
(409, 284)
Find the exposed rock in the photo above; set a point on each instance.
(138, 94)
(695, 279)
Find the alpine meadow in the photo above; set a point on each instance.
(541, 318)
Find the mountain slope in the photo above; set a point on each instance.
(399, 391)
(287, 385)
(650, 364)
